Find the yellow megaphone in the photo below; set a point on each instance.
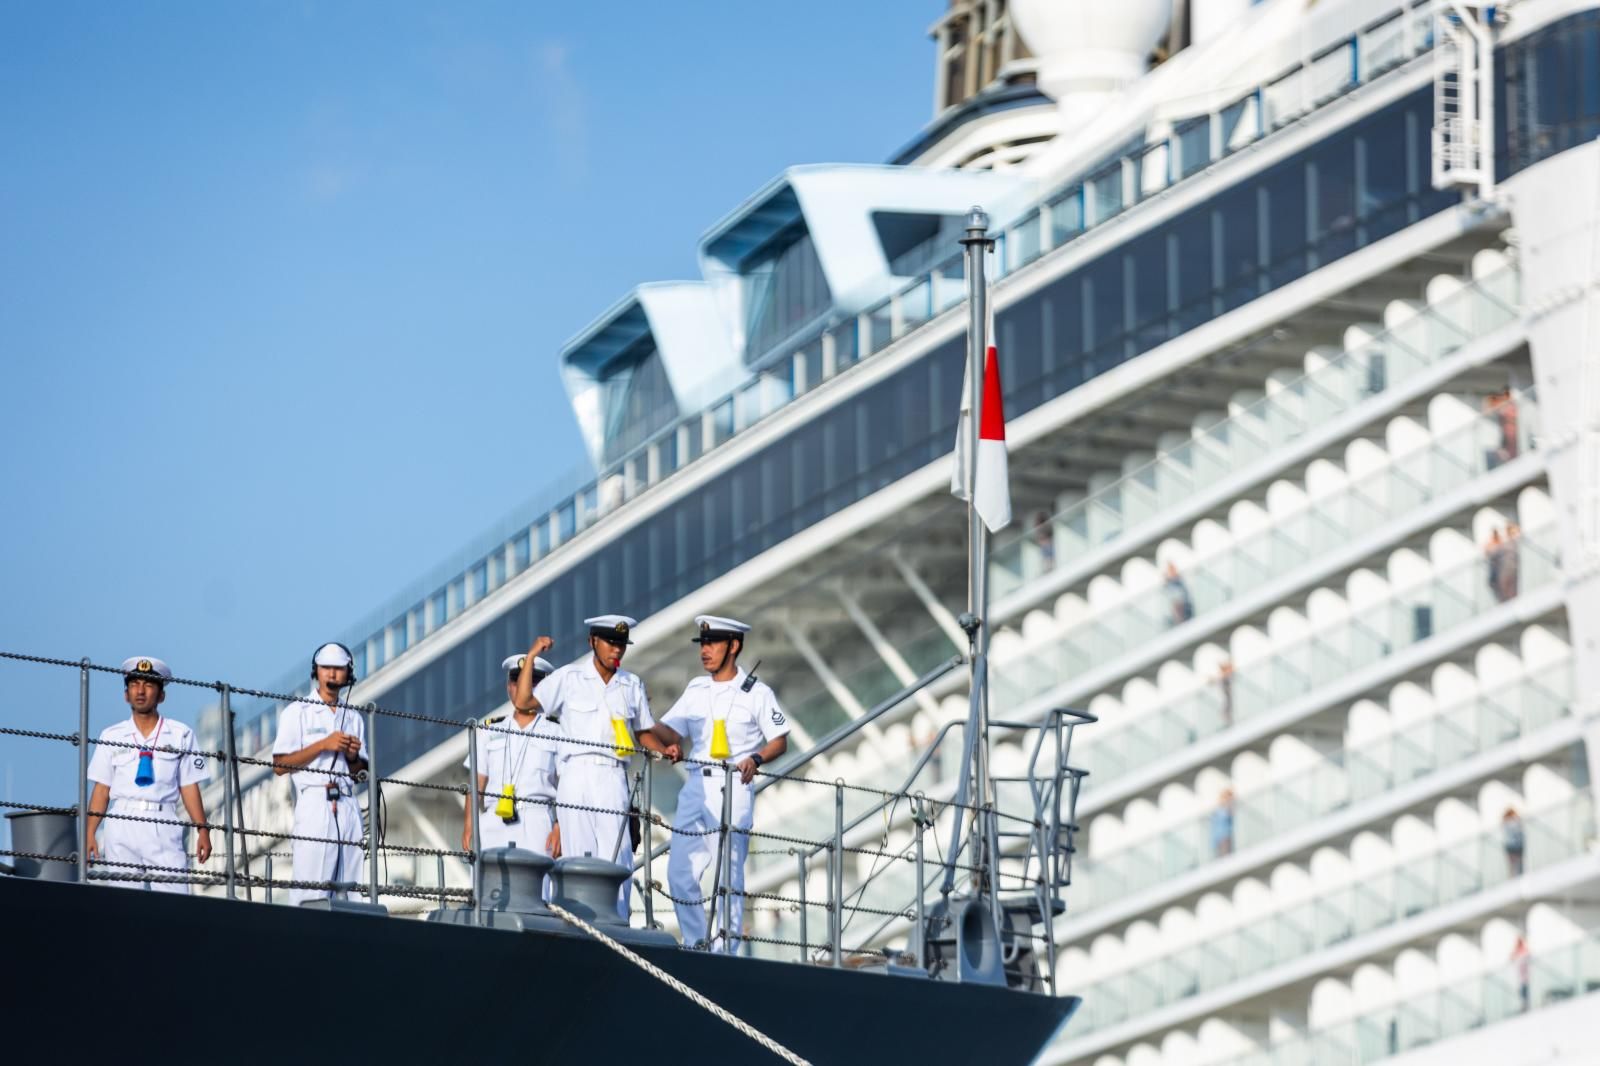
(623, 738)
(719, 739)
(506, 806)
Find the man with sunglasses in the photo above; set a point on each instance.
(516, 773)
(726, 717)
(604, 717)
(321, 743)
(142, 768)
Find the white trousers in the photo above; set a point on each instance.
(143, 844)
(315, 861)
(587, 782)
(529, 832)
(695, 839)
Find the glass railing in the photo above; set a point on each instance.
(1506, 990)
(1202, 588)
(1338, 782)
(1060, 218)
(1411, 614)
(1257, 433)
(1376, 900)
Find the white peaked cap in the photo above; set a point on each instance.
(331, 654)
(717, 622)
(514, 662)
(610, 621)
(148, 665)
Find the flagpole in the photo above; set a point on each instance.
(977, 244)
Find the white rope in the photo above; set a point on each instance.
(682, 989)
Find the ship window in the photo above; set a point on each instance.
(1236, 232)
(784, 289)
(1333, 182)
(1286, 223)
(638, 400)
(1385, 180)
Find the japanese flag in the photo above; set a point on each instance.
(993, 492)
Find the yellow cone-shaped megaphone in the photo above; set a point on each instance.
(719, 739)
(506, 806)
(624, 739)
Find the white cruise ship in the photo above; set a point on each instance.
(1294, 304)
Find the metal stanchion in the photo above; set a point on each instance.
(474, 802)
(646, 839)
(922, 919)
(836, 890)
(269, 876)
(440, 857)
(374, 803)
(802, 857)
(227, 776)
(725, 871)
(83, 772)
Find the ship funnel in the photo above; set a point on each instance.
(1089, 50)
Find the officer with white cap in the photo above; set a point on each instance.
(604, 716)
(322, 744)
(727, 716)
(516, 773)
(142, 767)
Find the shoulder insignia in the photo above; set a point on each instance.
(491, 720)
(777, 717)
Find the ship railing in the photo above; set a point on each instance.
(892, 896)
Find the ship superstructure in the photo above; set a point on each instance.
(1294, 303)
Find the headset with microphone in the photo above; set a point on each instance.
(348, 654)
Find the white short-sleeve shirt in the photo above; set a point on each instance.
(117, 766)
(754, 718)
(583, 705)
(303, 723)
(522, 755)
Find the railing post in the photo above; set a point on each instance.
(442, 903)
(227, 778)
(922, 918)
(474, 803)
(719, 881)
(727, 861)
(374, 803)
(269, 877)
(803, 939)
(83, 771)
(836, 889)
(647, 839)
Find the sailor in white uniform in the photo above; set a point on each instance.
(142, 768)
(725, 717)
(322, 743)
(604, 716)
(516, 773)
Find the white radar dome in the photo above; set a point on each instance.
(1089, 49)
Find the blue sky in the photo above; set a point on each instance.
(282, 284)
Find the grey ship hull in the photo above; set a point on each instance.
(241, 982)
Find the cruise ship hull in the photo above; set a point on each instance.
(350, 988)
